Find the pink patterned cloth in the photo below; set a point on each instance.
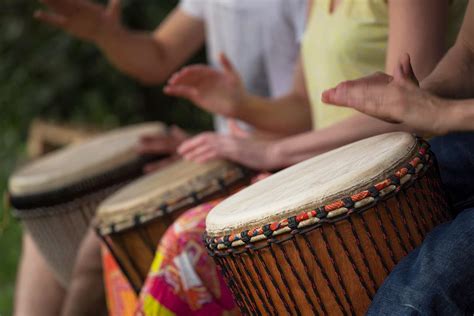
(184, 279)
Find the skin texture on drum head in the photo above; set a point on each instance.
(82, 161)
(170, 184)
(312, 183)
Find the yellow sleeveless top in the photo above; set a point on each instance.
(348, 44)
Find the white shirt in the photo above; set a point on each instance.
(260, 37)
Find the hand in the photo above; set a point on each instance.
(213, 90)
(82, 18)
(396, 99)
(162, 144)
(246, 151)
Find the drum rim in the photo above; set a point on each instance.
(331, 212)
(79, 189)
(235, 175)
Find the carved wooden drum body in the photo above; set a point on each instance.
(132, 221)
(320, 237)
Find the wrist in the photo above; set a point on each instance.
(274, 156)
(449, 116)
(107, 33)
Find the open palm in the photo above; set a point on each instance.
(81, 18)
(216, 91)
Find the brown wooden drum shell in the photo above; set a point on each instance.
(134, 248)
(336, 268)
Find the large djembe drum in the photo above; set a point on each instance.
(56, 196)
(132, 221)
(320, 237)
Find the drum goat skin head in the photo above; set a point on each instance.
(311, 183)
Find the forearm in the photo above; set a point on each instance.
(452, 78)
(135, 53)
(152, 56)
(298, 148)
(288, 115)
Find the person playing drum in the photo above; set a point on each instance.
(214, 89)
(441, 104)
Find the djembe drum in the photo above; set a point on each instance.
(56, 196)
(321, 236)
(132, 221)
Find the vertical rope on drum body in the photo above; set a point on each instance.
(352, 262)
(421, 232)
(244, 285)
(394, 226)
(146, 240)
(338, 272)
(374, 245)
(262, 284)
(310, 276)
(385, 236)
(403, 211)
(220, 261)
(324, 274)
(135, 268)
(298, 279)
(364, 256)
(430, 202)
(405, 222)
(273, 281)
(254, 285)
(284, 280)
(442, 207)
(425, 208)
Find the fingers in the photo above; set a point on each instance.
(178, 133)
(63, 7)
(201, 148)
(236, 130)
(191, 75)
(183, 92)
(50, 18)
(356, 93)
(114, 9)
(226, 64)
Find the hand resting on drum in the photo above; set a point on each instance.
(159, 144)
(399, 99)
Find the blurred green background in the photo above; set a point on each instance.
(45, 73)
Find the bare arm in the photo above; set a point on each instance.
(289, 114)
(417, 27)
(453, 76)
(149, 57)
(404, 18)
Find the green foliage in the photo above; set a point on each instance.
(46, 73)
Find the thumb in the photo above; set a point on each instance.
(404, 70)
(226, 64)
(236, 130)
(114, 9)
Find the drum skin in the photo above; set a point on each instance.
(333, 267)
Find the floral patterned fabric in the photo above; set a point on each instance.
(183, 279)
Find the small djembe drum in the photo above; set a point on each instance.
(56, 196)
(132, 221)
(320, 237)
